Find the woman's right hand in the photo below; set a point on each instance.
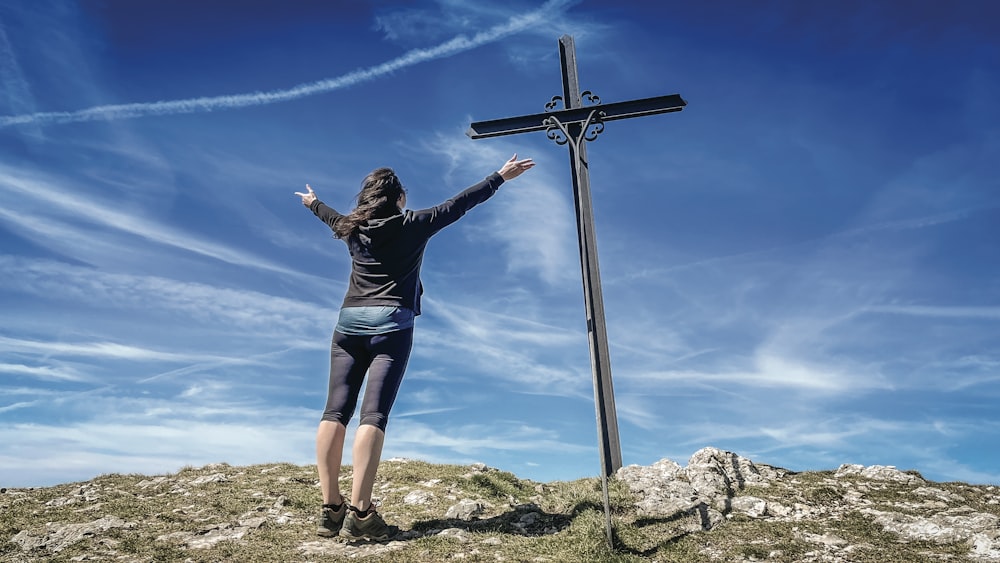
(307, 198)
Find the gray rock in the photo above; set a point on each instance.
(209, 536)
(985, 546)
(418, 497)
(698, 495)
(825, 539)
(703, 518)
(58, 537)
(878, 473)
(712, 477)
(751, 506)
(663, 470)
(255, 522)
(940, 528)
(492, 541)
(216, 535)
(455, 533)
(213, 478)
(465, 510)
(940, 494)
(147, 483)
(659, 489)
(713, 472)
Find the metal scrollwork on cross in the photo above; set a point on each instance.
(590, 129)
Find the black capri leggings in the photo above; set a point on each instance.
(384, 357)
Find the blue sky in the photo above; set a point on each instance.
(802, 266)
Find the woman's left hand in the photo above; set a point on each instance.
(307, 198)
(514, 167)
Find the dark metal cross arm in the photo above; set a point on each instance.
(609, 112)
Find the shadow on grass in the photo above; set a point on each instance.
(635, 539)
(523, 520)
(642, 537)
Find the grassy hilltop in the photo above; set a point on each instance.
(266, 513)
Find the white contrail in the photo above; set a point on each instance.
(12, 78)
(204, 104)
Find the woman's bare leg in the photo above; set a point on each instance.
(329, 453)
(367, 452)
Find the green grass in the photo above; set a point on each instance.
(522, 521)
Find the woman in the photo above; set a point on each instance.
(374, 332)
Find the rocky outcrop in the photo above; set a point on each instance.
(736, 509)
(705, 490)
(711, 490)
(55, 537)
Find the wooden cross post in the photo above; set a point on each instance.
(573, 125)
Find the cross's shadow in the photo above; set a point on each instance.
(529, 520)
(666, 530)
(522, 520)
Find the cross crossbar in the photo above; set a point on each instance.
(608, 112)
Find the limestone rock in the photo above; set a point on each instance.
(465, 510)
(58, 537)
(985, 546)
(940, 528)
(660, 490)
(878, 473)
(751, 506)
(418, 497)
(940, 494)
(712, 477)
(213, 478)
(213, 534)
(455, 533)
(701, 495)
(825, 539)
(714, 472)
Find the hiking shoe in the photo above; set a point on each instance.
(371, 527)
(330, 521)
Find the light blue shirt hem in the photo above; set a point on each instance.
(377, 319)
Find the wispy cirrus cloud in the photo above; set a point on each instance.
(47, 373)
(105, 350)
(269, 359)
(470, 439)
(531, 356)
(16, 406)
(157, 435)
(535, 223)
(16, 90)
(442, 17)
(836, 438)
(771, 371)
(77, 214)
(836, 238)
(984, 312)
(153, 444)
(432, 20)
(255, 312)
(451, 47)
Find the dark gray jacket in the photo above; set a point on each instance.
(386, 254)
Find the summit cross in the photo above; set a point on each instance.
(573, 125)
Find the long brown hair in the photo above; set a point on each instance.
(380, 192)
